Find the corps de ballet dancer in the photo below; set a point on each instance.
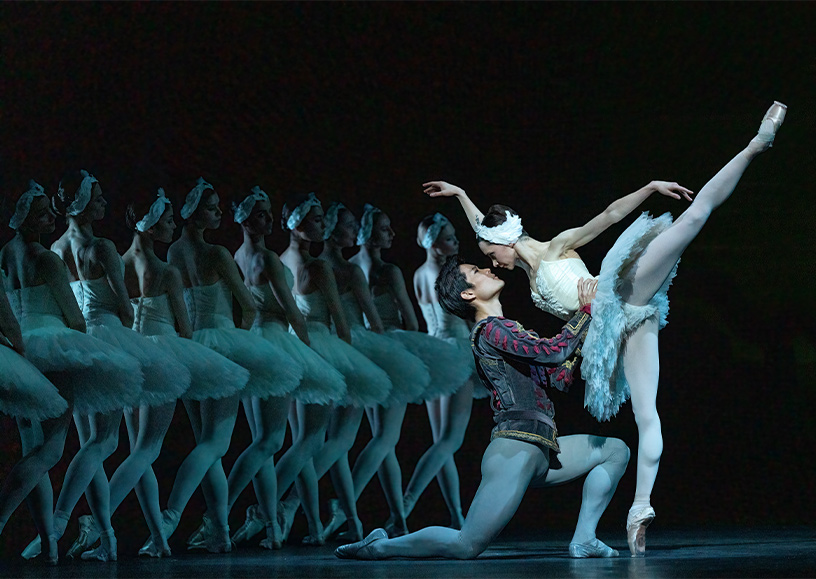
(96, 379)
(408, 373)
(317, 296)
(270, 283)
(525, 451)
(620, 357)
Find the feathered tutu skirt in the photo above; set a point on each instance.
(321, 383)
(447, 364)
(367, 384)
(462, 343)
(24, 391)
(613, 319)
(408, 373)
(93, 375)
(272, 372)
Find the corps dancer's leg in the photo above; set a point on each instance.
(309, 423)
(390, 475)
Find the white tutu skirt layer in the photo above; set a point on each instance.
(409, 374)
(613, 320)
(93, 375)
(448, 365)
(367, 384)
(465, 349)
(24, 391)
(165, 378)
(321, 382)
(212, 376)
(271, 371)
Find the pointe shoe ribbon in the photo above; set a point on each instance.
(773, 119)
(636, 524)
(360, 549)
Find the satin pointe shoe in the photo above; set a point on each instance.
(253, 525)
(150, 549)
(360, 549)
(88, 535)
(636, 524)
(198, 534)
(52, 555)
(33, 549)
(215, 539)
(313, 541)
(286, 516)
(274, 538)
(106, 550)
(336, 518)
(593, 548)
(170, 521)
(770, 125)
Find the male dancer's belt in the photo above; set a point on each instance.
(525, 415)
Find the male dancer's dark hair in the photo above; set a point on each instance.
(450, 283)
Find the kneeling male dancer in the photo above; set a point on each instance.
(525, 450)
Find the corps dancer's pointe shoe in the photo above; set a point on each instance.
(336, 518)
(106, 550)
(593, 548)
(253, 525)
(360, 549)
(170, 520)
(198, 534)
(286, 516)
(32, 550)
(636, 524)
(273, 536)
(88, 535)
(152, 549)
(770, 125)
(53, 553)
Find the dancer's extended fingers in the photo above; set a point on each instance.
(687, 193)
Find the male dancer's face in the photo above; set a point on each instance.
(485, 284)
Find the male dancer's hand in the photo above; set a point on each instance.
(587, 288)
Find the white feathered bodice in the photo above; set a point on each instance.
(557, 285)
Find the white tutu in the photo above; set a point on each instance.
(321, 382)
(447, 364)
(271, 371)
(612, 319)
(409, 374)
(368, 384)
(24, 391)
(463, 344)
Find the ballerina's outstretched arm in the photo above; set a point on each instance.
(445, 189)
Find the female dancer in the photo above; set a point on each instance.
(269, 282)
(408, 373)
(631, 305)
(317, 297)
(95, 378)
(211, 279)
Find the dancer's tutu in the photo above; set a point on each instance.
(24, 391)
(613, 319)
(321, 382)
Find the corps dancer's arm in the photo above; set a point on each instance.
(617, 210)
(9, 326)
(276, 275)
(362, 293)
(323, 276)
(228, 270)
(55, 273)
(443, 189)
(395, 282)
(175, 293)
(108, 258)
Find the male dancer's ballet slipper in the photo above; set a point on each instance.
(106, 550)
(770, 125)
(253, 525)
(360, 549)
(88, 535)
(593, 548)
(636, 524)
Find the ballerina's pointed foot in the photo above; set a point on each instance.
(361, 549)
(636, 524)
(53, 552)
(200, 532)
(253, 525)
(106, 551)
(151, 549)
(274, 538)
(33, 549)
(286, 516)
(770, 125)
(215, 539)
(353, 534)
(593, 548)
(336, 518)
(88, 535)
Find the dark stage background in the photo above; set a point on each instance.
(554, 109)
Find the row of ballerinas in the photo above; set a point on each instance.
(322, 341)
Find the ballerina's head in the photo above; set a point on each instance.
(32, 212)
(302, 217)
(154, 220)
(497, 235)
(79, 197)
(253, 212)
(375, 228)
(341, 226)
(436, 233)
(201, 206)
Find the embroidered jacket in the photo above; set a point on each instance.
(515, 365)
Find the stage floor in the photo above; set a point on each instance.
(736, 552)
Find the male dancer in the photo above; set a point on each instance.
(525, 451)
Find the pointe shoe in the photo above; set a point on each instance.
(353, 534)
(253, 525)
(33, 549)
(313, 541)
(53, 552)
(286, 517)
(170, 521)
(215, 539)
(360, 549)
(151, 549)
(636, 524)
(198, 534)
(88, 535)
(273, 536)
(593, 548)
(770, 125)
(336, 518)
(106, 550)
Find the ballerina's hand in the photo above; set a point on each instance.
(673, 190)
(441, 189)
(587, 288)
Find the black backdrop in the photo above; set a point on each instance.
(555, 109)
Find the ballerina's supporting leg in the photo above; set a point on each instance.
(309, 424)
(390, 475)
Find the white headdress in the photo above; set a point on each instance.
(24, 204)
(244, 208)
(299, 213)
(507, 233)
(366, 223)
(194, 197)
(155, 212)
(439, 221)
(330, 218)
(83, 194)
